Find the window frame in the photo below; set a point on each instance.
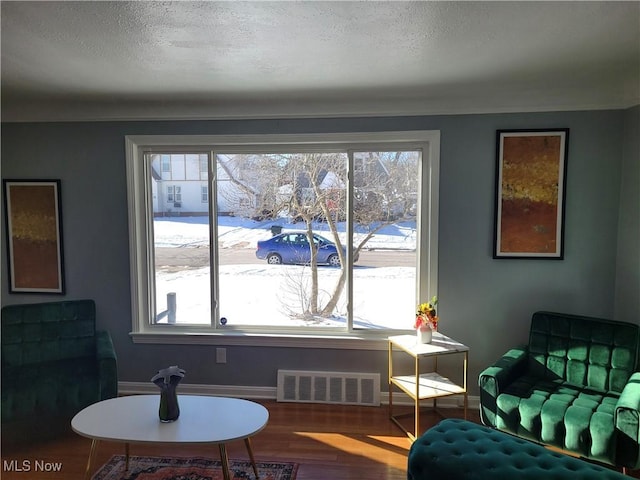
(141, 223)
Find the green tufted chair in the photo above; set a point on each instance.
(54, 363)
(574, 386)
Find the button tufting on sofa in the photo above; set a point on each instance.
(54, 363)
(479, 452)
(573, 386)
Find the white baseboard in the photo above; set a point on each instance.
(270, 393)
(137, 388)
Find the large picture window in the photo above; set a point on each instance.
(301, 235)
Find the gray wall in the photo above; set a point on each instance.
(484, 303)
(627, 300)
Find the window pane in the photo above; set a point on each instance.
(178, 166)
(281, 239)
(181, 248)
(166, 163)
(385, 237)
(204, 167)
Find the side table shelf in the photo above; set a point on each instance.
(428, 385)
(431, 385)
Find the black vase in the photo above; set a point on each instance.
(169, 410)
(167, 380)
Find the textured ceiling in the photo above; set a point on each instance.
(138, 60)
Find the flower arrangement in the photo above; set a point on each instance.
(426, 315)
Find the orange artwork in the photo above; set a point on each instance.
(33, 230)
(530, 194)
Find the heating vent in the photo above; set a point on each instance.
(329, 387)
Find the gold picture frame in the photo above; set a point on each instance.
(33, 222)
(530, 193)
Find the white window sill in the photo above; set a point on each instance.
(344, 341)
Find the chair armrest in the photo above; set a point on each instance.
(627, 421)
(496, 378)
(107, 365)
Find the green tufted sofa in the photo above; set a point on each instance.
(54, 363)
(574, 386)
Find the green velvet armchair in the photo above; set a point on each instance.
(54, 363)
(574, 386)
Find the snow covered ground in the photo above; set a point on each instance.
(274, 295)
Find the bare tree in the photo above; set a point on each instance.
(316, 179)
(312, 187)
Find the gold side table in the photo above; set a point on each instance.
(428, 385)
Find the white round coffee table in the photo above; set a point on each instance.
(134, 419)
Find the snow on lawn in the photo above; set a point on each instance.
(257, 294)
(234, 232)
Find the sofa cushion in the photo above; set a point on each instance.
(47, 332)
(567, 416)
(60, 388)
(597, 354)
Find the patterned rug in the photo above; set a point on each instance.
(161, 468)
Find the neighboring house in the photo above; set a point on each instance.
(328, 182)
(369, 171)
(370, 176)
(181, 186)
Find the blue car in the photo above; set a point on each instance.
(293, 247)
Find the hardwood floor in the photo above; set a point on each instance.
(335, 442)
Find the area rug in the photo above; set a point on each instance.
(161, 468)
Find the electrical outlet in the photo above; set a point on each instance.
(221, 355)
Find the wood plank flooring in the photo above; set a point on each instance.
(335, 442)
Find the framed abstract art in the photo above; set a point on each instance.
(33, 221)
(530, 193)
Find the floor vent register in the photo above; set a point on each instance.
(345, 388)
